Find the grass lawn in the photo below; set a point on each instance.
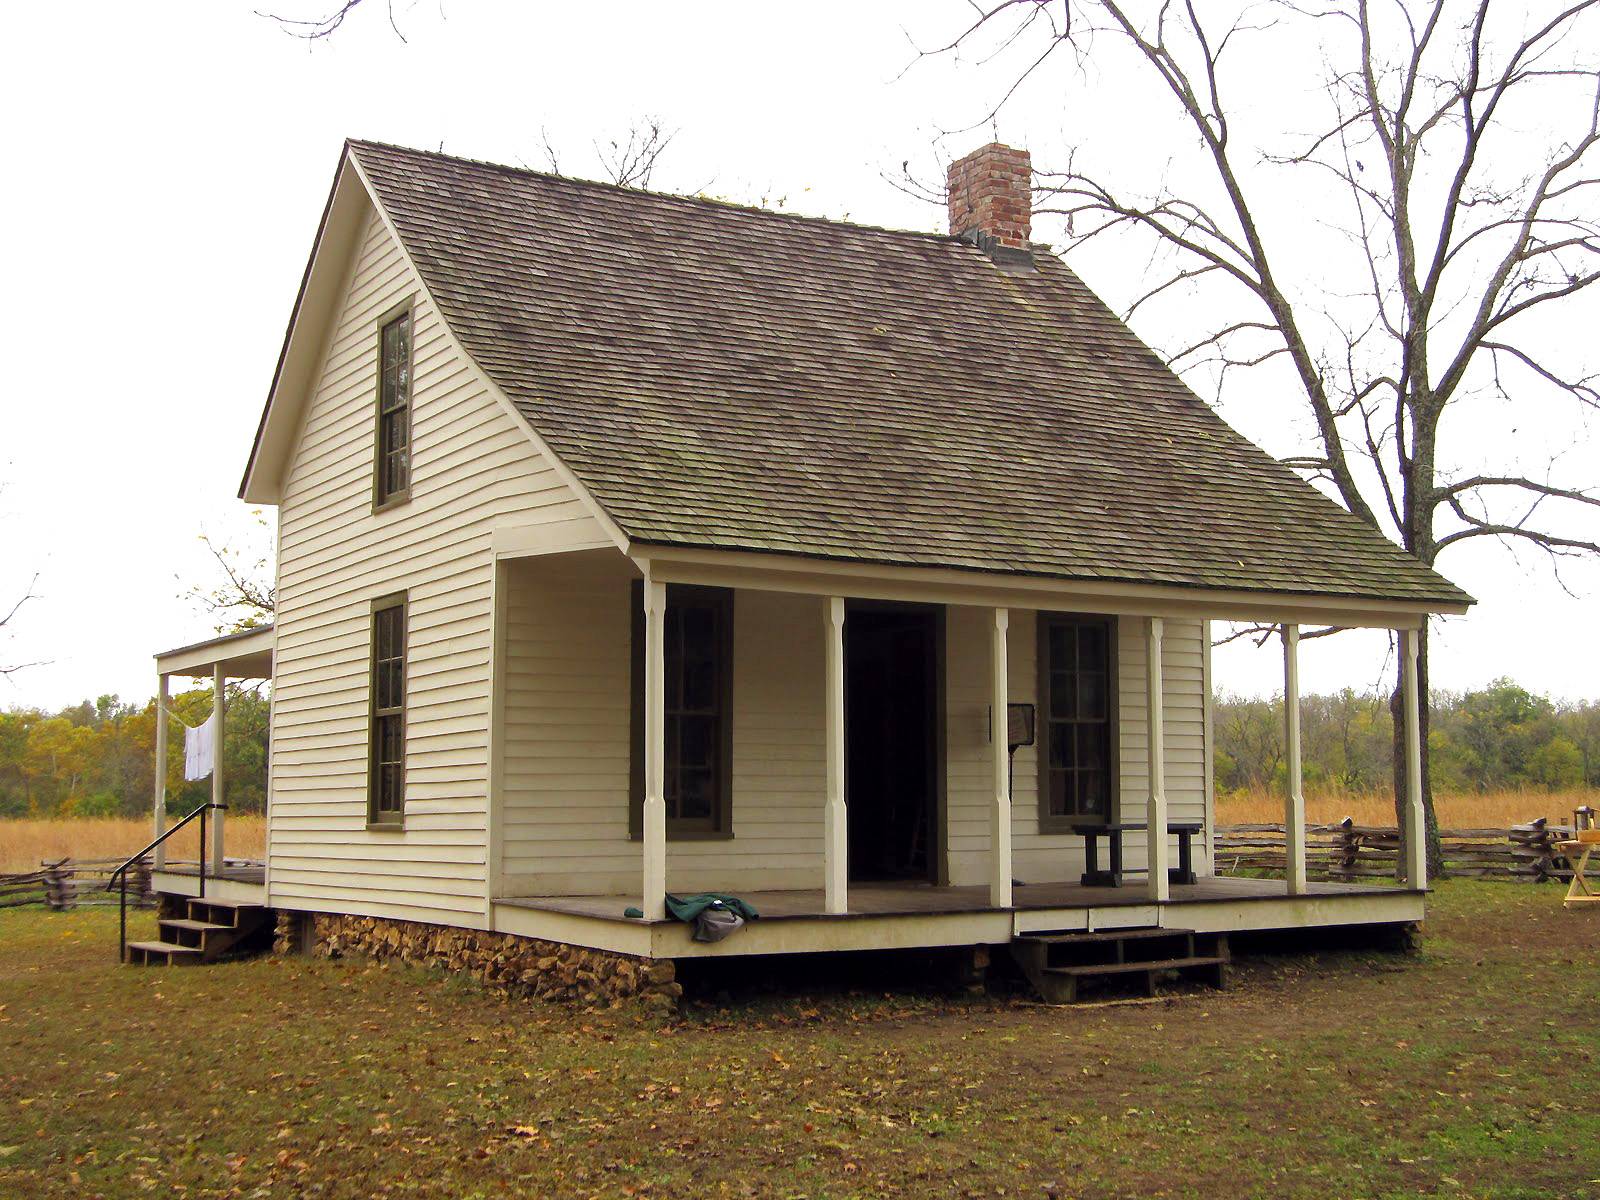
(1469, 1070)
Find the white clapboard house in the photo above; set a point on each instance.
(633, 544)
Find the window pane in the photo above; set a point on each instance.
(1092, 696)
(1062, 695)
(391, 685)
(674, 674)
(392, 748)
(696, 795)
(399, 471)
(392, 788)
(1092, 792)
(699, 631)
(669, 794)
(1092, 647)
(1061, 656)
(1091, 746)
(698, 745)
(673, 738)
(700, 685)
(1061, 749)
(1059, 793)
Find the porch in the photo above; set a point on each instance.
(901, 915)
(244, 655)
(242, 882)
(569, 851)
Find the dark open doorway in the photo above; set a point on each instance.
(894, 745)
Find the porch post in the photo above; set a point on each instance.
(999, 737)
(1156, 806)
(836, 844)
(1294, 807)
(1416, 864)
(654, 901)
(218, 790)
(159, 855)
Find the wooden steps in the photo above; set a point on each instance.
(211, 929)
(1058, 963)
(161, 954)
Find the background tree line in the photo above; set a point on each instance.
(95, 759)
(98, 759)
(1501, 737)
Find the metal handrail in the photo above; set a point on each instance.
(121, 873)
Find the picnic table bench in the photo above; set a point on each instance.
(1093, 876)
(1578, 851)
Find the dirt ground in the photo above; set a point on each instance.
(1466, 1070)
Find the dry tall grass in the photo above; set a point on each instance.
(1491, 810)
(25, 844)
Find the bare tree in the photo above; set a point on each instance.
(243, 597)
(7, 669)
(319, 28)
(629, 160)
(1459, 151)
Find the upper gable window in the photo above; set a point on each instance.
(392, 482)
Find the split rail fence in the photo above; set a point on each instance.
(1348, 851)
(72, 882)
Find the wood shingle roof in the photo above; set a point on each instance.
(731, 378)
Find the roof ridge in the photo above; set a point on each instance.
(674, 197)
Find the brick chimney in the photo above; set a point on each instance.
(991, 192)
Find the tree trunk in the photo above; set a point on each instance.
(1397, 710)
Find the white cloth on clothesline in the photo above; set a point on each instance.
(200, 748)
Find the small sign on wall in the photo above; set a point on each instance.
(1019, 725)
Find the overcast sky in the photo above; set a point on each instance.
(167, 166)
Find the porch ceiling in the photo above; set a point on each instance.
(243, 655)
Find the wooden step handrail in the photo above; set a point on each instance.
(120, 874)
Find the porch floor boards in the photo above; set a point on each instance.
(906, 899)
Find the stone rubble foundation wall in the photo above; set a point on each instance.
(504, 962)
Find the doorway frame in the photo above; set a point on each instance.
(938, 874)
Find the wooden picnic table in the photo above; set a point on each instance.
(1093, 876)
(1578, 852)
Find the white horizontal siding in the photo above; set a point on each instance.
(566, 757)
(1040, 857)
(473, 468)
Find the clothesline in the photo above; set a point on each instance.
(174, 716)
(199, 744)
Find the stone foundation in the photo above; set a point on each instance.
(503, 962)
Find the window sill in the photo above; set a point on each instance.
(395, 501)
(688, 835)
(386, 826)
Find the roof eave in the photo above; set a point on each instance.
(788, 570)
